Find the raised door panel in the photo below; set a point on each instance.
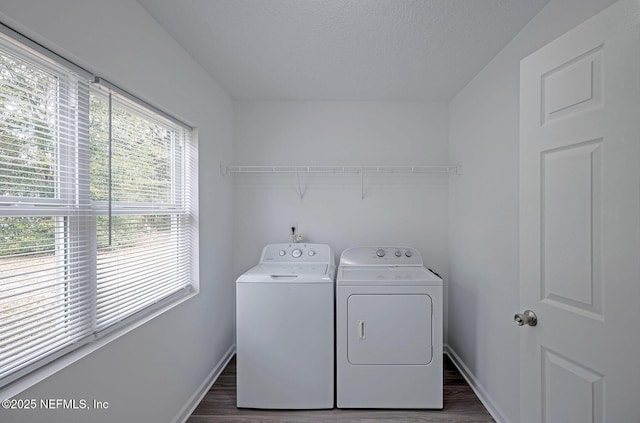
(573, 87)
(571, 225)
(572, 392)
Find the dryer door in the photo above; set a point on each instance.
(389, 329)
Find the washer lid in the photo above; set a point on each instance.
(288, 273)
(390, 275)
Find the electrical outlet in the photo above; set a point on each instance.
(293, 230)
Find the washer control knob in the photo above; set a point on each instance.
(380, 252)
(282, 253)
(398, 253)
(312, 253)
(296, 253)
(408, 253)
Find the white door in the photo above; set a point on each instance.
(580, 223)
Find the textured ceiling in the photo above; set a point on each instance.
(343, 49)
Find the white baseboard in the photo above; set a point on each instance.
(477, 388)
(196, 397)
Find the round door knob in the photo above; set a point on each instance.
(526, 318)
(296, 253)
(380, 252)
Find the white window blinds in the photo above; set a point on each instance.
(96, 206)
(139, 188)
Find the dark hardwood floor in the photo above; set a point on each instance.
(460, 405)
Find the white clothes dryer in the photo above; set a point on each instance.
(285, 329)
(388, 330)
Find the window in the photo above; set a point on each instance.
(96, 210)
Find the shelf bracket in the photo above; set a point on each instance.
(299, 185)
(362, 183)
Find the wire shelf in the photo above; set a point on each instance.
(228, 170)
(345, 170)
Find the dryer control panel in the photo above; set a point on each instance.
(384, 256)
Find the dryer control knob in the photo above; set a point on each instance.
(380, 252)
(296, 253)
(398, 253)
(282, 253)
(408, 253)
(312, 253)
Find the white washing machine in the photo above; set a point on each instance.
(388, 330)
(285, 329)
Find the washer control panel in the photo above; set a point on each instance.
(287, 253)
(387, 256)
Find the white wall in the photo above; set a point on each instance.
(483, 210)
(150, 373)
(408, 211)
